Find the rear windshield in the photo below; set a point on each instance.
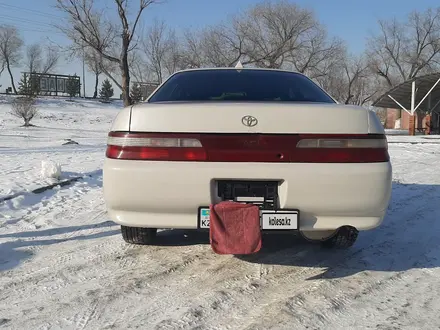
(244, 85)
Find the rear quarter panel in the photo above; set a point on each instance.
(122, 120)
(374, 124)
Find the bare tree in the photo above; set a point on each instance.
(218, 46)
(271, 35)
(333, 82)
(94, 63)
(24, 108)
(276, 34)
(89, 26)
(271, 30)
(404, 50)
(316, 55)
(39, 62)
(2, 66)
(138, 66)
(161, 49)
(51, 59)
(34, 57)
(352, 81)
(173, 60)
(10, 49)
(155, 47)
(222, 45)
(192, 56)
(359, 81)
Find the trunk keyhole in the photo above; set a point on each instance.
(280, 156)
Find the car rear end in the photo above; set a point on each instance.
(313, 166)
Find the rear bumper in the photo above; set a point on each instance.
(168, 194)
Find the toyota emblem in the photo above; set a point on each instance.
(249, 121)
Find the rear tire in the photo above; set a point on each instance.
(344, 238)
(136, 235)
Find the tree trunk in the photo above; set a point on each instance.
(95, 94)
(125, 73)
(12, 77)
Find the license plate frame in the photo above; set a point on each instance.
(203, 219)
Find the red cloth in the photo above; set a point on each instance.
(234, 228)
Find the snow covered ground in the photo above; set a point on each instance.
(63, 264)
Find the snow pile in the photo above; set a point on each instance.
(50, 169)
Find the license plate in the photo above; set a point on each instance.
(279, 220)
(269, 219)
(204, 218)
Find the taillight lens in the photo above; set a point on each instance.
(157, 142)
(343, 143)
(347, 149)
(270, 148)
(154, 147)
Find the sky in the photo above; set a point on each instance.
(351, 20)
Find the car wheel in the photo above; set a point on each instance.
(344, 238)
(136, 235)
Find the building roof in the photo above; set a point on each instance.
(402, 93)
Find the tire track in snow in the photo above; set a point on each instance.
(73, 270)
(112, 277)
(241, 289)
(61, 236)
(36, 274)
(382, 297)
(147, 288)
(248, 289)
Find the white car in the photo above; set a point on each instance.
(269, 137)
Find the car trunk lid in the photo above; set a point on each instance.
(248, 117)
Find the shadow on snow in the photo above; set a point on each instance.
(13, 252)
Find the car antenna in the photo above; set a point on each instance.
(239, 66)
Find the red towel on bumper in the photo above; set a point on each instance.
(234, 228)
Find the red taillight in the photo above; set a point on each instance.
(269, 148)
(341, 149)
(134, 146)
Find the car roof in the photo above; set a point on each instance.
(238, 69)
